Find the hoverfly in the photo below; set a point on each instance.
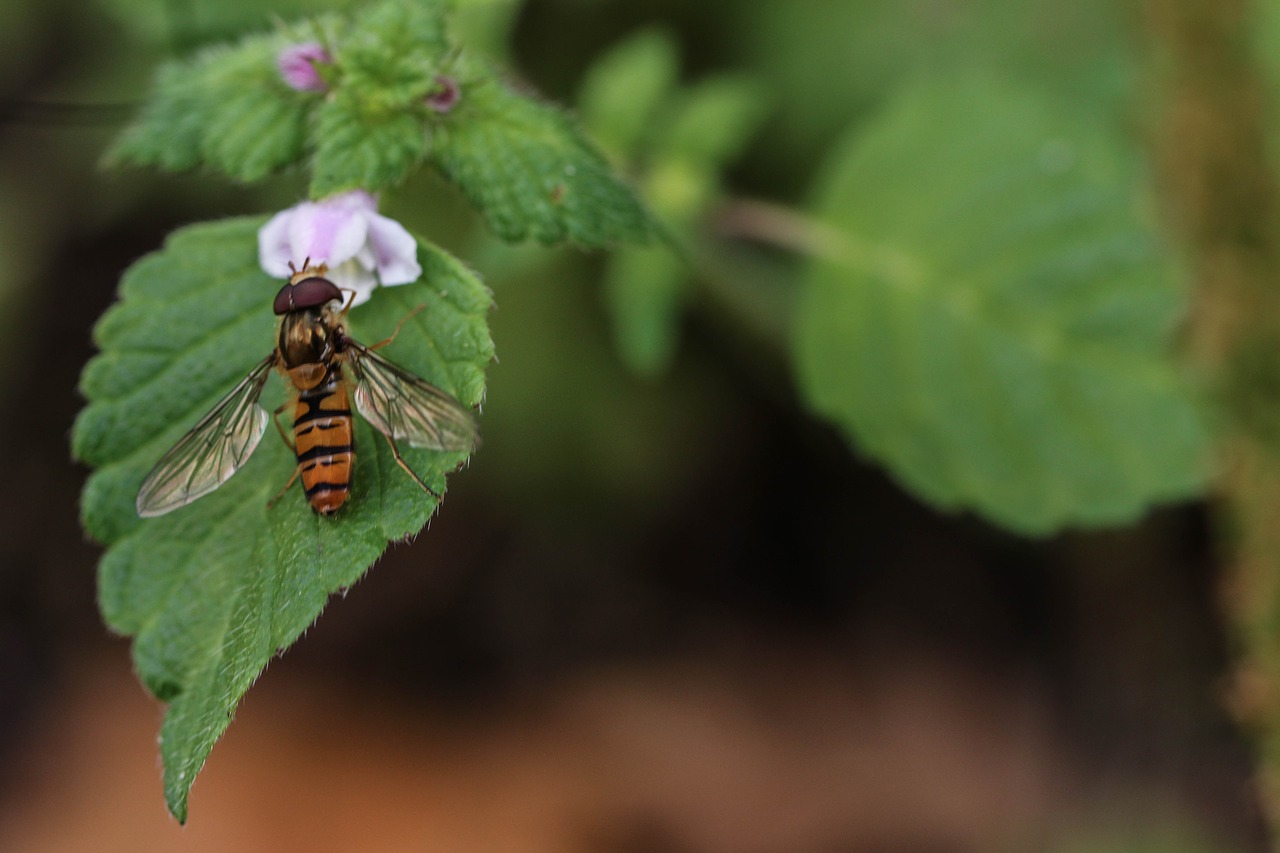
(321, 363)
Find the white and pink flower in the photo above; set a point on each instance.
(345, 232)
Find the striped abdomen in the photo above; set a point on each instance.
(323, 436)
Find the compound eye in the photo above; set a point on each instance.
(308, 293)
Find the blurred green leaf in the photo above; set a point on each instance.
(644, 290)
(211, 592)
(485, 26)
(624, 90)
(684, 146)
(712, 121)
(529, 169)
(992, 320)
(193, 22)
(837, 62)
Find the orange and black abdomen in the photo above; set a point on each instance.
(325, 442)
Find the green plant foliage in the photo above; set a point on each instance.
(228, 109)
(678, 140)
(193, 22)
(390, 57)
(624, 91)
(710, 123)
(645, 291)
(529, 170)
(992, 316)
(355, 150)
(1081, 50)
(212, 591)
(523, 163)
(486, 26)
(370, 134)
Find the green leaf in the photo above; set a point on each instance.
(356, 150)
(227, 109)
(201, 21)
(624, 89)
(645, 289)
(993, 318)
(212, 591)
(713, 121)
(687, 147)
(530, 171)
(390, 58)
(705, 128)
(838, 62)
(523, 163)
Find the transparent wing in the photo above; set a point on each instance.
(212, 451)
(408, 408)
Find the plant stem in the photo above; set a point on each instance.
(796, 231)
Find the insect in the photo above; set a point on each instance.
(325, 368)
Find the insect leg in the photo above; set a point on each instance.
(297, 471)
(275, 417)
(350, 299)
(395, 451)
(382, 343)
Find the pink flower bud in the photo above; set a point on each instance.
(297, 64)
(446, 95)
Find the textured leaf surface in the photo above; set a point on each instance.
(993, 319)
(355, 150)
(523, 163)
(392, 54)
(530, 171)
(211, 592)
(227, 109)
(370, 133)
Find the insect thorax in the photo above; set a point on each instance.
(306, 337)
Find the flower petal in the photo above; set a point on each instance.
(345, 233)
(395, 251)
(366, 258)
(354, 200)
(326, 232)
(274, 254)
(352, 276)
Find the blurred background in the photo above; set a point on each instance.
(664, 608)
